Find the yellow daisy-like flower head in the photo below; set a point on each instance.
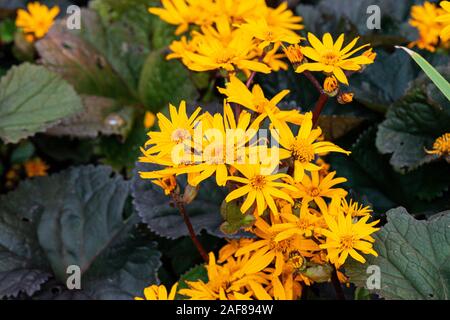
(282, 17)
(332, 58)
(232, 280)
(345, 237)
(303, 148)
(155, 292)
(424, 18)
(212, 50)
(267, 34)
(182, 13)
(255, 100)
(317, 188)
(259, 188)
(441, 147)
(36, 168)
(303, 224)
(37, 20)
(445, 20)
(178, 131)
(355, 209)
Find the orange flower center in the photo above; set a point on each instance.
(330, 58)
(258, 182)
(347, 242)
(314, 192)
(302, 151)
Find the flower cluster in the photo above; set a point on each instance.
(267, 158)
(229, 35)
(433, 25)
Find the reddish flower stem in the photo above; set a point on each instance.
(250, 79)
(337, 285)
(180, 205)
(323, 99)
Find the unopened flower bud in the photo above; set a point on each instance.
(319, 273)
(331, 86)
(345, 97)
(294, 54)
(190, 193)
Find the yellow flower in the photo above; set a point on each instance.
(36, 168)
(267, 34)
(424, 18)
(260, 188)
(255, 100)
(178, 131)
(212, 52)
(344, 237)
(182, 13)
(231, 248)
(331, 58)
(155, 292)
(149, 120)
(303, 225)
(282, 17)
(168, 184)
(233, 280)
(445, 19)
(355, 209)
(441, 146)
(303, 148)
(294, 55)
(218, 152)
(273, 59)
(237, 11)
(316, 188)
(37, 21)
(269, 250)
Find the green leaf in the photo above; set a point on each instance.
(198, 272)
(430, 71)
(412, 125)
(76, 218)
(383, 82)
(7, 30)
(33, 99)
(413, 258)
(156, 210)
(22, 153)
(163, 82)
(372, 178)
(80, 62)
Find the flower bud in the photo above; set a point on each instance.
(319, 273)
(294, 54)
(190, 193)
(345, 97)
(331, 86)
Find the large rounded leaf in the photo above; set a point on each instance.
(76, 217)
(33, 99)
(414, 258)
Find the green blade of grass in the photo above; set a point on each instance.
(431, 72)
